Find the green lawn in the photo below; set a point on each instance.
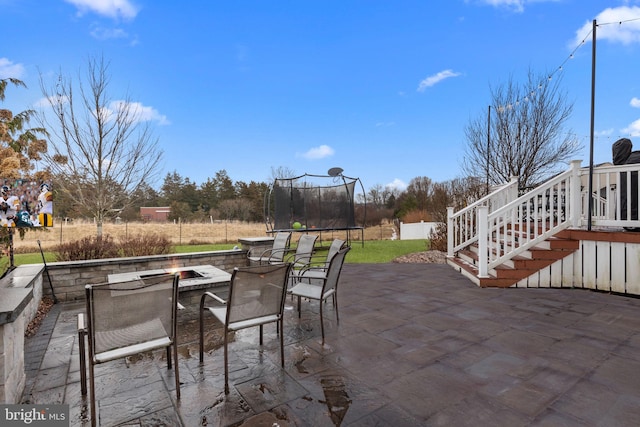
(374, 251)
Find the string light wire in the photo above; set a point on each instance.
(560, 68)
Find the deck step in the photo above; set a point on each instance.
(518, 268)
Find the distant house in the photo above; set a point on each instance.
(158, 214)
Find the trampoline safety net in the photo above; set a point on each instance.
(313, 202)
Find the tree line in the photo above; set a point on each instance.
(221, 198)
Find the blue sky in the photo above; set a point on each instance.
(382, 89)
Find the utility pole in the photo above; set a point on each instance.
(593, 100)
(488, 144)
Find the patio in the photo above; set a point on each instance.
(418, 344)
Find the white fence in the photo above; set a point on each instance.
(417, 230)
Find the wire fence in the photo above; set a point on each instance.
(179, 233)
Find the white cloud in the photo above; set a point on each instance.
(319, 152)
(109, 8)
(385, 124)
(10, 70)
(52, 100)
(102, 33)
(633, 129)
(141, 113)
(604, 133)
(616, 29)
(436, 78)
(137, 111)
(397, 184)
(514, 5)
(635, 102)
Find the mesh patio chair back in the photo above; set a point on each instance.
(276, 253)
(329, 277)
(256, 294)
(335, 246)
(333, 271)
(304, 250)
(280, 245)
(256, 297)
(319, 264)
(127, 318)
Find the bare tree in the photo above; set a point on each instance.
(378, 196)
(526, 134)
(422, 189)
(102, 149)
(282, 172)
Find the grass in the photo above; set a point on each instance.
(373, 251)
(380, 251)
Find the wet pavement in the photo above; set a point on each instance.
(417, 345)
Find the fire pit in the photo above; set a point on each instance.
(193, 279)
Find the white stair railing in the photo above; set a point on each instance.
(503, 225)
(461, 225)
(528, 220)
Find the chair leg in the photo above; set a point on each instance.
(201, 335)
(335, 306)
(92, 396)
(280, 323)
(226, 363)
(176, 373)
(321, 321)
(168, 357)
(83, 362)
(261, 329)
(298, 306)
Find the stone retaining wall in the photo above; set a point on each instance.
(69, 278)
(20, 295)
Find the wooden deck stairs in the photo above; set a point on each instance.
(518, 268)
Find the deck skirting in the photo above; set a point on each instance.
(606, 261)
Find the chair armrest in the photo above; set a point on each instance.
(211, 295)
(267, 253)
(254, 251)
(284, 251)
(316, 265)
(309, 268)
(299, 257)
(307, 271)
(316, 258)
(82, 327)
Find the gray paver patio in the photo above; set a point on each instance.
(417, 344)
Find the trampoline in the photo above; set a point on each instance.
(314, 203)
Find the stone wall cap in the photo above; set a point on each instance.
(22, 276)
(13, 302)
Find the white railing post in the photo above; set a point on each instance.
(513, 191)
(450, 232)
(483, 240)
(574, 197)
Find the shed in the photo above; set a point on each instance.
(157, 214)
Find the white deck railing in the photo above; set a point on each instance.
(462, 225)
(504, 225)
(610, 186)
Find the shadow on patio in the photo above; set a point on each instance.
(417, 344)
